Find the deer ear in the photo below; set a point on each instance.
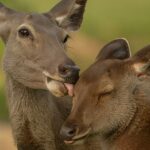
(117, 49)
(141, 61)
(68, 13)
(5, 21)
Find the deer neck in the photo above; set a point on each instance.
(37, 108)
(141, 121)
(34, 102)
(23, 95)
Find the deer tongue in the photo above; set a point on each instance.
(70, 88)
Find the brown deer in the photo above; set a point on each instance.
(112, 101)
(35, 63)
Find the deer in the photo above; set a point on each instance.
(112, 101)
(39, 74)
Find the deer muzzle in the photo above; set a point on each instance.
(63, 82)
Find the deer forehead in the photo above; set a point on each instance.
(103, 77)
(36, 20)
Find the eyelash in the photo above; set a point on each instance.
(102, 95)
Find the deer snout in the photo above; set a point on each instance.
(74, 134)
(70, 73)
(62, 82)
(67, 133)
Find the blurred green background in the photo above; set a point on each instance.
(104, 20)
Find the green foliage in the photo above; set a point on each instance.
(112, 19)
(3, 107)
(104, 19)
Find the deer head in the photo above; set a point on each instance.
(107, 93)
(104, 96)
(35, 46)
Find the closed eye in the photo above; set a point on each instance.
(102, 95)
(108, 89)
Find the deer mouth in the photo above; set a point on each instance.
(75, 141)
(59, 88)
(78, 139)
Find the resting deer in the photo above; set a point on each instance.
(112, 101)
(36, 67)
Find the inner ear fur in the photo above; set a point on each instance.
(68, 13)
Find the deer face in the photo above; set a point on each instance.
(107, 93)
(103, 101)
(35, 46)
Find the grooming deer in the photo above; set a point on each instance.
(36, 68)
(112, 100)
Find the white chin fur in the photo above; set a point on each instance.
(57, 88)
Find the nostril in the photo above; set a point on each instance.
(72, 132)
(67, 132)
(68, 70)
(64, 70)
(69, 73)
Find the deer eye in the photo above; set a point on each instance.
(24, 32)
(104, 94)
(108, 89)
(66, 39)
(101, 96)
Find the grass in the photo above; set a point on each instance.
(104, 20)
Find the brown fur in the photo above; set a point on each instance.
(112, 101)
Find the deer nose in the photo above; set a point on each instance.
(67, 132)
(69, 73)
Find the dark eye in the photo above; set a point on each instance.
(66, 39)
(24, 32)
